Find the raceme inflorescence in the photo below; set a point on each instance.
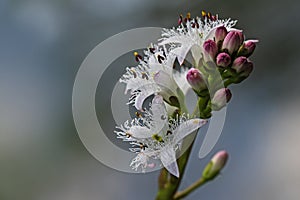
(203, 54)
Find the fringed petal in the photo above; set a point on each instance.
(186, 128)
(168, 159)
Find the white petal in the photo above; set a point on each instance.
(185, 42)
(166, 65)
(145, 91)
(180, 79)
(154, 68)
(170, 109)
(159, 115)
(166, 82)
(134, 83)
(181, 52)
(211, 33)
(179, 38)
(168, 159)
(170, 61)
(140, 132)
(196, 53)
(141, 160)
(187, 128)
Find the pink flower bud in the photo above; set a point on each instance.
(196, 80)
(216, 164)
(221, 97)
(223, 59)
(220, 33)
(210, 50)
(233, 41)
(242, 66)
(247, 48)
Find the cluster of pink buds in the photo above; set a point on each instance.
(228, 53)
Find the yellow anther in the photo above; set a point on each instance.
(128, 134)
(188, 15)
(145, 76)
(135, 53)
(138, 114)
(209, 15)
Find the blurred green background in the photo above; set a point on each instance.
(42, 45)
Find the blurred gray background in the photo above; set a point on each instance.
(42, 45)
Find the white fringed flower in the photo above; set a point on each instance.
(154, 75)
(155, 136)
(190, 36)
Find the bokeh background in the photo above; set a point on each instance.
(42, 44)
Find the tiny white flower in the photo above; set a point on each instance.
(190, 36)
(155, 136)
(154, 75)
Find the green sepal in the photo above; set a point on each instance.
(207, 174)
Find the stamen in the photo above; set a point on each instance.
(180, 20)
(209, 15)
(145, 76)
(195, 24)
(128, 135)
(203, 13)
(133, 72)
(152, 50)
(143, 146)
(139, 115)
(213, 18)
(164, 53)
(188, 17)
(137, 56)
(160, 58)
(169, 132)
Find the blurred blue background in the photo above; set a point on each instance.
(42, 44)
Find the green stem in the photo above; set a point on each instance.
(191, 188)
(163, 178)
(228, 82)
(168, 187)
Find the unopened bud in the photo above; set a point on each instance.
(223, 59)
(210, 50)
(196, 79)
(247, 48)
(220, 33)
(216, 164)
(242, 66)
(233, 41)
(221, 97)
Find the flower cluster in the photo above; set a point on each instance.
(220, 57)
